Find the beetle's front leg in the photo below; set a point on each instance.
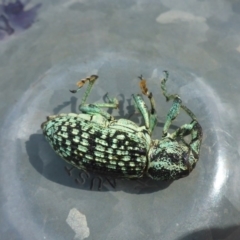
(175, 109)
(192, 128)
(172, 114)
(195, 130)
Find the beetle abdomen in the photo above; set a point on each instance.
(94, 147)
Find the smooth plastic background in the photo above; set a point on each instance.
(197, 41)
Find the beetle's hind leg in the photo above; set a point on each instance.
(96, 108)
(93, 109)
(91, 80)
(112, 103)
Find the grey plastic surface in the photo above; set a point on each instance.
(198, 42)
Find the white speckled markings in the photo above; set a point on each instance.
(78, 222)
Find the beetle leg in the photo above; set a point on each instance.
(172, 114)
(164, 89)
(112, 103)
(93, 109)
(142, 108)
(175, 109)
(174, 96)
(145, 91)
(96, 108)
(196, 135)
(80, 84)
(194, 129)
(150, 118)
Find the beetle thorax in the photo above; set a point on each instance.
(167, 159)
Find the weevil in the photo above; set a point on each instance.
(95, 141)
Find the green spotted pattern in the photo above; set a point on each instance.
(88, 145)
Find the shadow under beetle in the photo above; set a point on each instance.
(94, 141)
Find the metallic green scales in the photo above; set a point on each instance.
(95, 141)
(97, 147)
